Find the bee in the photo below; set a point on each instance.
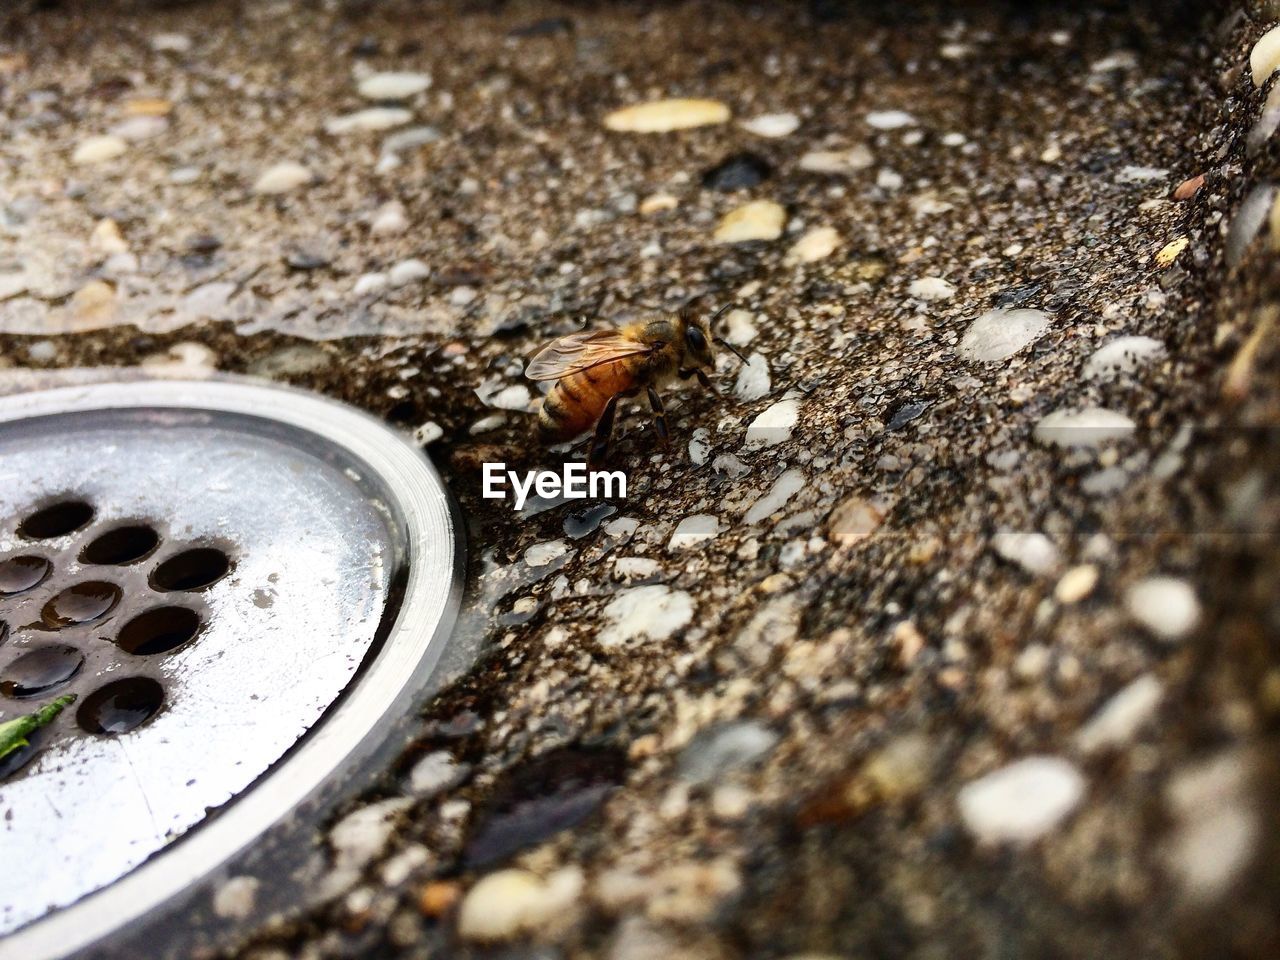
(594, 368)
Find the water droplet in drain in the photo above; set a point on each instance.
(120, 706)
(83, 603)
(121, 545)
(158, 631)
(19, 574)
(56, 520)
(41, 671)
(191, 570)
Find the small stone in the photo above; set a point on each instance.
(931, 289)
(435, 773)
(651, 612)
(1076, 584)
(360, 836)
(838, 161)
(778, 496)
(999, 334)
(739, 330)
(657, 203)
(148, 107)
(99, 150)
(135, 129)
(428, 433)
(1122, 355)
(411, 138)
(719, 751)
(1248, 220)
(234, 899)
(772, 125)
(508, 903)
(738, 172)
(1121, 717)
(106, 238)
(390, 220)
(753, 379)
(282, 178)
(171, 43)
(1034, 552)
(187, 357)
(374, 118)
(815, 245)
(690, 893)
(370, 284)
(661, 116)
(890, 119)
(1264, 58)
(408, 271)
(693, 530)
(93, 305)
(541, 554)
(1088, 428)
(439, 897)
(393, 86)
(1188, 188)
(1133, 174)
(1021, 802)
(1166, 606)
(774, 425)
(1169, 252)
(1218, 832)
(888, 179)
(757, 220)
(853, 521)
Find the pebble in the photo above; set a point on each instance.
(390, 220)
(1122, 355)
(888, 179)
(282, 178)
(1090, 427)
(541, 554)
(1121, 717)
(772, 125)
(408, 271)
(106, 238)
(1166, 606)
(1217, 833)
(1249, 218)
(738, 172)
(778, 496)
(694, 529)
(657, 203)
(753, 379)
(853, 521)
(718, 751)
(890, 119)
(99, 149)
(739, 330)
(1021, 802)
(93, 305)
(171, 43)
(818, 244)
(774, 424)
(757, 220)
(999, 334)
(370, 284)
(408, 139)
(393, 86)
(1076, 584)
(1264, 58)
(360, 836)
(1189, 188)
(428, 433)
(651, 612)
(234, 899)
(1169, 252)
(514, 397)
(511, 902)
(1033, 552)
(662, 116)
(374, 118)
(436, 773)
(187, 357)
(931, 289)
(1132, 174)
(690, 893)
(838, 161)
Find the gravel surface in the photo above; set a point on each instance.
(948, 628)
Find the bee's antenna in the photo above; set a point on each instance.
(730, 347)
(719, 313)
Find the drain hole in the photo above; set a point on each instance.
(121, 545)
(19, 574)
(120, 706)
(158, 631)
(41, 671)
(191, 570)
(56, 520)
(82, 603)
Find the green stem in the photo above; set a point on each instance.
(14, 733)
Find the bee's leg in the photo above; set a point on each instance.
(604, 430)
(703, 379)
(659, 416)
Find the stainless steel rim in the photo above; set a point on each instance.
(426, 614)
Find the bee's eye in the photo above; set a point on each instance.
(693, 335)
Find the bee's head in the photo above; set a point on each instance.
(697, 343)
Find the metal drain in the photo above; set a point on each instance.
(215, 569)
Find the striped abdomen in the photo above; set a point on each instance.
(575, 403)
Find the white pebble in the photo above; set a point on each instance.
(408, 271)
(541, 554)
(815, 245)
(99, 150)
(778, 496)
(1021, 802)
(753, 379)
(435, 773)
(171, 43)
(1034, 552)
(890, 119)
(1264, 58)
(374, 118)
(511, 902)
(514, 397)
(282, 178)
(1122, 355)
(1166, 606)
(1088, 428)
(1000, 333)
(661, 116)
(772, 125)
(1132, 174)
(1121, 717)
(429, 432)
(139, 128)
(888, 179)
(1076, 584)
(739, 330)
(756, 220)
(234, 899)
(837, 161)
(390, 220)
(368, 284)
(360, 836)
(774, 425)
(393, 86)
(651, 612)
(693, 530)
(931, 288)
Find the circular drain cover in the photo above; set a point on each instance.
(215, 570)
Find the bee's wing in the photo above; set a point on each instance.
(581, 351)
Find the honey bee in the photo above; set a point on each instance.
(594, 368)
